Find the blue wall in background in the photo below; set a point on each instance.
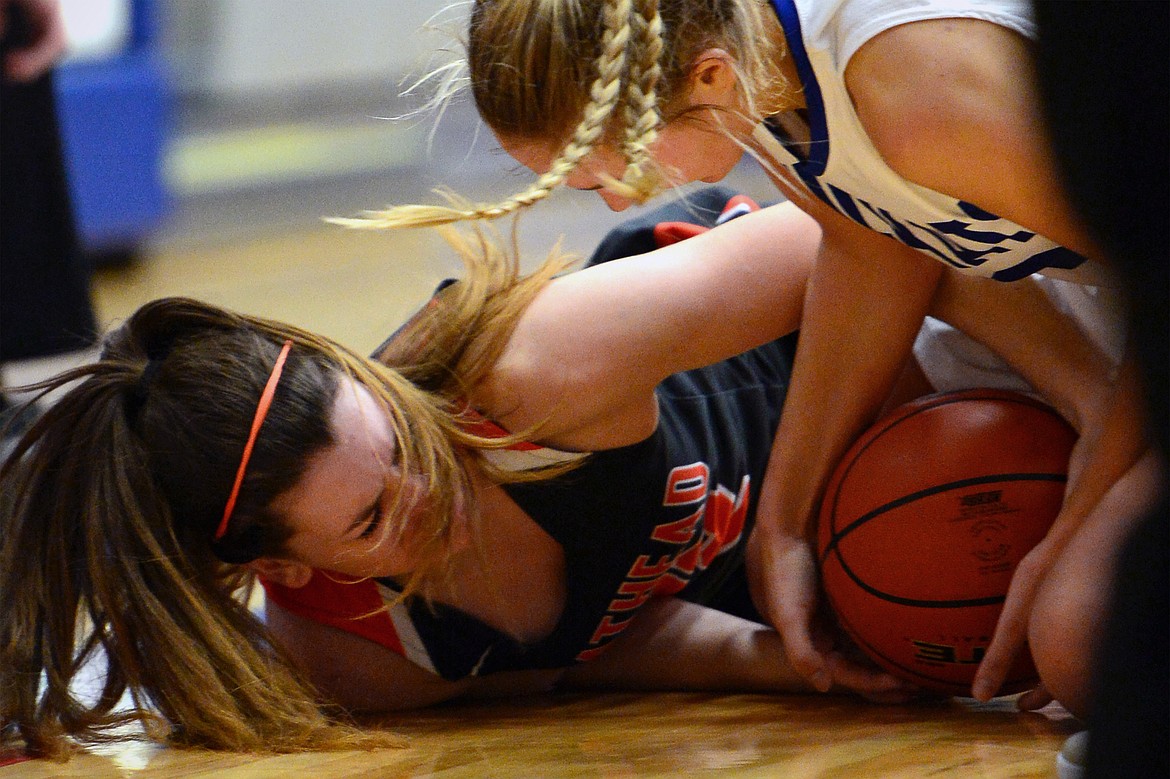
(115, 124)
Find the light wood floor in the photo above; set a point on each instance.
(661, 735)
(357, 287)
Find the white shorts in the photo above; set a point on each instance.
(953, 361)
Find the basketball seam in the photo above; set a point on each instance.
(938, 488)
(913, 409)
(962, 483)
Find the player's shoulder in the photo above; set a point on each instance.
(936, 86)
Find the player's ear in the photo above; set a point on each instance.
(712, 80)
(287, 573)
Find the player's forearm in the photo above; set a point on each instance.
(861, 316)
(676, 645)
(1020, 323)
(1112, 442)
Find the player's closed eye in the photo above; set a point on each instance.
(376, 518)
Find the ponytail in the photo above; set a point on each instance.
(92, 570)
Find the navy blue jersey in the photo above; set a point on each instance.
(668, 516)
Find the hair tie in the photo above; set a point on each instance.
(139, 391)
(147, 378)
(258, 420)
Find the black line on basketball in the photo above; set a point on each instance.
(926, 493)
(961, 484)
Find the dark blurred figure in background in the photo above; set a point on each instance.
(1103, 70)
(45, 303)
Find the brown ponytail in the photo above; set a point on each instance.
(103, 561)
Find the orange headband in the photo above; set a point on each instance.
(257, 421)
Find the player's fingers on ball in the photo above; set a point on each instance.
(872, 685)
(992, 671)
(1001, 653)
(794, 627)
(1010, 634)
(1034, 699)
(1026, 581)
(896, 532)
(810, 665)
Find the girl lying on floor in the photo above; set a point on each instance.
(540, 481)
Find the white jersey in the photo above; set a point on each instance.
(839, 165)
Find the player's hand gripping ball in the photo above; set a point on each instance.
(923, 524)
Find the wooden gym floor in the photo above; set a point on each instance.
(357, 287)
(660, 735)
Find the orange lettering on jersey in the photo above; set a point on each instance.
(686, 562)
(642, 570)
(608, 627)
(669, 585)
(639, 593)
(727, 512)
(686, 484)
(710, 549)
(719, 522)
(678, 532)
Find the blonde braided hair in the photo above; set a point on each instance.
(641, 179)
(529, 83)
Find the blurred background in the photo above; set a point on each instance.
(206, 139)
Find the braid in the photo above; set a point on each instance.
(604, 96)
(643, 117)
(529, 85)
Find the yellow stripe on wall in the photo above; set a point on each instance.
(285, 153)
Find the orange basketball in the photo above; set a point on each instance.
(924, 521)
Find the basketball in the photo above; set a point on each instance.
(924, 521)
